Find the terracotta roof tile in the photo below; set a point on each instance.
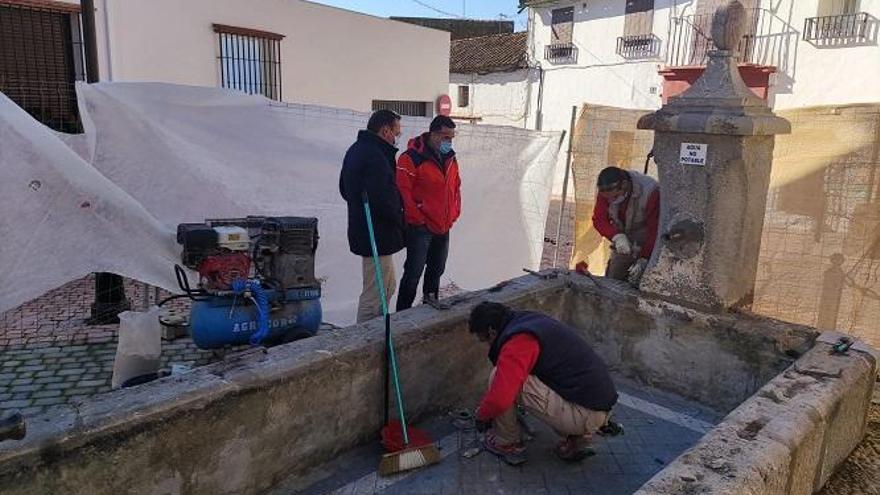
(493, 53)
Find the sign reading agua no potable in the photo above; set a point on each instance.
(693, 154)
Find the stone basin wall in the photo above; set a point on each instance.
(243, 425)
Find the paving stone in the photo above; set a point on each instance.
(33, 362)
(50, 401)
(91, 383)
(46, 393)
(26, 388)
(21, 381)
(45, 373)
(12, 404)
(30, 411)
(58, 386)
(48, 351)
(84, 392)
(7, 376)
(30, 367)
(70, 371)
(10, 364)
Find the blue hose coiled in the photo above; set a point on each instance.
(261, 300)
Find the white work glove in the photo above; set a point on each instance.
(636, 271)
(622, 244)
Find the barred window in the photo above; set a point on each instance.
(464, 96)
(250, 60)
(410, 108)
(41, 57)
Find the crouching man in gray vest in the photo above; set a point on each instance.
(627, 213)
(545, 367)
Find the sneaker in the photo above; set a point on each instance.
(512, 454)
(434, 301)
(574, 449)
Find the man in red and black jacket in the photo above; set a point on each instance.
(627, 213)
(429, 184)
(548, 369)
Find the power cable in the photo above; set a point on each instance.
(435, 9)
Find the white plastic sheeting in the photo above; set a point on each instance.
(155, 155)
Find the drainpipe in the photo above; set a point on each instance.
(90, 40)
(539, 111)
(107, 44)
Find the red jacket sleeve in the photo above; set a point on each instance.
(515, 363)
(652, 220)
(601, 222)
(406, 178)
(456, 203)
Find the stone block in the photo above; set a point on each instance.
(70, 371)
(26, 388)
(13, 404)
(46, 393)
(50, 401)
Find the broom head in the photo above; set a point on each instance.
(409, 458)
(392, 437)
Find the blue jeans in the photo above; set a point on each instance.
(426, 252)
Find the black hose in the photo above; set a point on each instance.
(648, 160)
(183, 283)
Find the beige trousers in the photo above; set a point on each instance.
(539, 400)
(370, 305)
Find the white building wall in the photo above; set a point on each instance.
(329, 56)
(498, 98)
(827, 76)
(600, 76)
(810, 75)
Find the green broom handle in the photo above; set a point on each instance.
(383, 299)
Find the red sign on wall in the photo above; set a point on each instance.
(444, 105)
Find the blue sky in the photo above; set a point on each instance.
(474, 9)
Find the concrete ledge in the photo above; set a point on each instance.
(788, 438)
(239, 427)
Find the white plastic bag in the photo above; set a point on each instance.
(140, 345)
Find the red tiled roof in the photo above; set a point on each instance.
(493, 53)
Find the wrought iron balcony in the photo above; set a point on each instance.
(638, 46)
(834, 28)
(561, 53)
(769, 41)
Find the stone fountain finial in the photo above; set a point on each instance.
(729, 25)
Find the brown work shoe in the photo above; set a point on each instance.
(513, 453)
(574, 449)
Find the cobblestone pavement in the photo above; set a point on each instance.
(37, 376)
(658, 427)
(49, 356)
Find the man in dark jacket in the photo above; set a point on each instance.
(427, 176)
(548, 369)
(369, 166)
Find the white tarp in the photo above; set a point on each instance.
(155, 155)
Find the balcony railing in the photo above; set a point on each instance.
(638, 46)
(847, 27)
(769, 41)
(561, 53)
